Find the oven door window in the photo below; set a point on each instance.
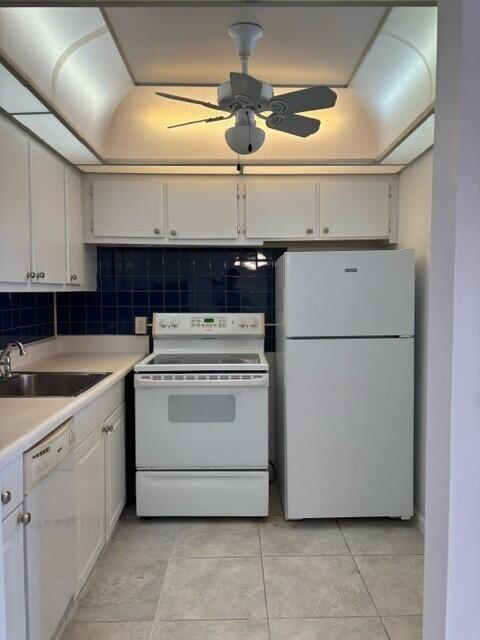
(201, 408)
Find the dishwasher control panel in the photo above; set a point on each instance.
(197, 324)
(48, 454)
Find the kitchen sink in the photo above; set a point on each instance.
(44, 384)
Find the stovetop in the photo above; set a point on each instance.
(204, 358)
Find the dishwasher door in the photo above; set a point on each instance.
(50, 537)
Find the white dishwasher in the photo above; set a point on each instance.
(50, 534)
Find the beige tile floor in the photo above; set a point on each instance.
(247, 579)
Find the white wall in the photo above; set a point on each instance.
(452, 567)
(415, 207)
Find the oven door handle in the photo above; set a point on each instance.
(256, 380)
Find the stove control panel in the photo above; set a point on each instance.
(195, 324)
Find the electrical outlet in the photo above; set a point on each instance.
(140, 325)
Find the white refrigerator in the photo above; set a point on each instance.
(344, 396)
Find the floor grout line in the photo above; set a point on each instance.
(365, 584)
(263, 578)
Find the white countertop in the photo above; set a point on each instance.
(25, 421)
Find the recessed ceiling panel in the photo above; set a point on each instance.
(52, 131)
(300, 45)
(417, 142)
(15, 97)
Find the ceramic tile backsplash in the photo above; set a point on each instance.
(139, 281)
(26, 317)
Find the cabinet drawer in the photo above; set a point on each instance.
(12, 486)
(88, 418)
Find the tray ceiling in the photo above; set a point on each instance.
(300, 46)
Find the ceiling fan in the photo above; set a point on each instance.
(244, 97)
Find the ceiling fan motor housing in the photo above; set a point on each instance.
(229, 102)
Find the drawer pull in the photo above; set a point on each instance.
(156, 231)
(326, 229)
(41, 275)
(6, 497)
(73, 276)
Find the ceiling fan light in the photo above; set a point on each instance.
(244, 138)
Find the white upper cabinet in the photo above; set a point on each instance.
(128, 207)
(206, 210)
(14, 204)
(281, 210)
(73, 209)
(354, 209)
(47, 189)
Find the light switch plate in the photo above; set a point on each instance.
(140, 325)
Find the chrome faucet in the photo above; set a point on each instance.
(5, 359)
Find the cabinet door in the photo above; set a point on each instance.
(90, 503)
(202, 210)
(350, 209)
(14, 577)
(130, 207)
(115, 468)
(73, 208)
(14, 204)
(47, 186)
(275, 209)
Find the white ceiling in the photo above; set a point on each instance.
(300, 46)
(71, 61)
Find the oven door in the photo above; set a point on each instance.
(201, 421)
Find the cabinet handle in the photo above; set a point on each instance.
(24, 518)
(30, 274)
(310, 230)
(105, 428)
(156, 230)
(73, 276)
(326, 229)
(41, 275)
(110, 428)
(6, 497)
(173, 232)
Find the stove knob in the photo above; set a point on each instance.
(241, 322)
(163, 322)
(254, 322)
(175, 322)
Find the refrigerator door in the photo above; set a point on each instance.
(348, 293)
(348, 449)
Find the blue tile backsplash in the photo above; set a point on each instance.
(26, 317)
(139, 281)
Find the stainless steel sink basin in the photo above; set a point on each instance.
(40, 384)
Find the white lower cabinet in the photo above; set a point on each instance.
(14, 576)
(115, 469)
(100, 490)
(90, 503)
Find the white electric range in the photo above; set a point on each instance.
(202, 417)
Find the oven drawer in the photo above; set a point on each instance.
(204, 493)
(201, 427)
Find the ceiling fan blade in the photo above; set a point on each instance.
(294, 124)
(246, 86)
(185, 124)
(171, 96)
(304, 100)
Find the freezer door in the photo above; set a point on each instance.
(348, 449)
(349, 293)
